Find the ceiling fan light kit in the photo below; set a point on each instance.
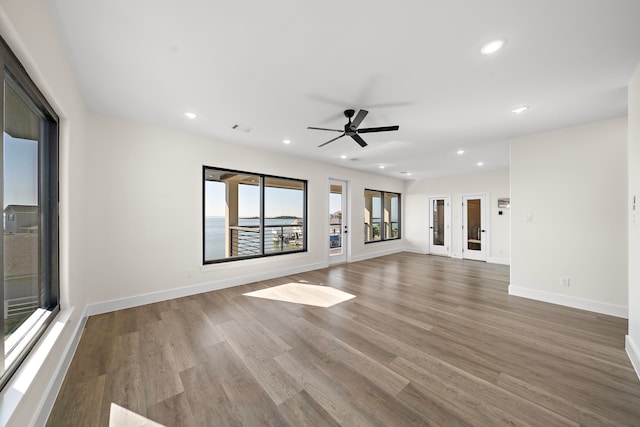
(351, 128)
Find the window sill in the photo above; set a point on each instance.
(13, 394)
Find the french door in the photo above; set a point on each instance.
(439, 213)
(474, 229)
(338, 221)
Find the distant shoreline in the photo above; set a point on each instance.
(257, 217)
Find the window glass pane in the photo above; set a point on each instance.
(232, 215)
(391, 225)
(372, 215)
(438, 222)
(284, 215)
(21, 237)
(474, 232)
(335, 219)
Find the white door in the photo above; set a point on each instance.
(439, 225)
(474, 228)
(338, 231)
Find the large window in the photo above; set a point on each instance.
(248, 215)
(29, 194)
(381, 216)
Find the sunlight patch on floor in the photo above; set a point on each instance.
(299, 293)
(122, 417)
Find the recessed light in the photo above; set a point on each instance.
(381, 166)
(189, 115)
(520, 109)
(460, 152)
(480, 163)
(344, 156)
(286, 141)
(492, 47)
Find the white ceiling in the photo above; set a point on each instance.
(280, 66)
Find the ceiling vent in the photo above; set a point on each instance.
(242, 128)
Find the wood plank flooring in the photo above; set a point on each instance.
(427, 341)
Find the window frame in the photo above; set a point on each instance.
(383, 237)
(48, 216)
(262, 179)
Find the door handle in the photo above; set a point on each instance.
(482, 231)
(345, 230)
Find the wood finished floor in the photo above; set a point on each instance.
(426, 341)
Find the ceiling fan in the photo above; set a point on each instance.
(351, 128)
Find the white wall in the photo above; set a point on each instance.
(495, 183)
(28, 29)
(633, 339)
(122, 187)
(573, 183)
(145, 207)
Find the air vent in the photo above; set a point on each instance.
(242, 128)
(354, 159)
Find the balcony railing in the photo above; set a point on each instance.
(245, 240)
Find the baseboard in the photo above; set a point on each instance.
(634, 354)
(371, 255)
(416, 251)
(497, 260)
(138, 300)
(568, 301)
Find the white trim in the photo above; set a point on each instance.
(346, 237)
(50, 395)
(448, 220)
(485, 223)
(15, 390)
(634, 354)
(498, 260)
(371, 255)
(414, 250)
(569, 301)
(134, 301)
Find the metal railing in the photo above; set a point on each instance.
(245, 240)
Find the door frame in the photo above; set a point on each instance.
(447, 221)
(484, 225)
(345, 236)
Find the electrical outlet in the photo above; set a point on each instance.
(565, 282)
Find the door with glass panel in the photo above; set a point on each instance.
(439, 225)
(474, 229)
(338, 230)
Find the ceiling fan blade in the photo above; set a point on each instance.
(333, 130)
(331, 140)
(359, 140)
(359, 118)
(380, 129)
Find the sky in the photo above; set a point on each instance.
(278, 201)
(20, 171)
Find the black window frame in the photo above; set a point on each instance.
(262, 178)
(383, 237)
(48, 200)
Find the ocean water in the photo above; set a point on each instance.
(214, 233)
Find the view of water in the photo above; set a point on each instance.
(214, 233)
